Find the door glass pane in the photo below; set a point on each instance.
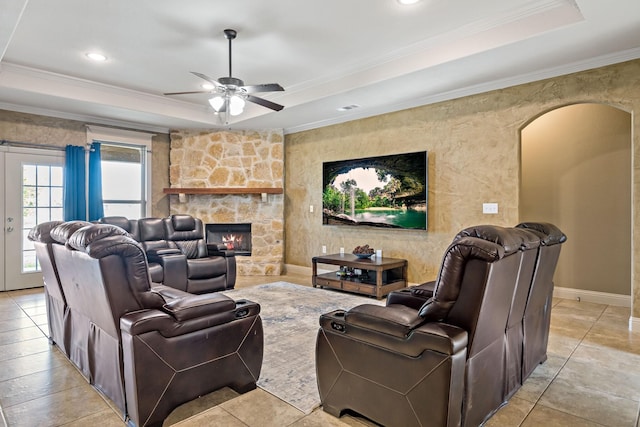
(44, 196)
(43, 175)
(29, 174)
(41, 202)
(57, 214)
(56, 177)
(57, 197)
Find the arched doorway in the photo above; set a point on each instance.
(576, 173)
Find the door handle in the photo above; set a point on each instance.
(9, 229)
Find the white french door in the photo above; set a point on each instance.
(32, 194)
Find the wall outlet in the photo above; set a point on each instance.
(341, 251)
(489, 208)
(324, 249)
(311, 208)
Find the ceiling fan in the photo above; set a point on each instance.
(230, 93)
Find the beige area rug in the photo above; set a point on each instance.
(290, 316)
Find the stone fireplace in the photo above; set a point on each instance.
(226, 161)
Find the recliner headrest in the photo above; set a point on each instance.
(62, 232)
(85, 236)
(183, 222)
(509, 239)
(42, 232)
(549, 233)
(120, 221)
(452, 270)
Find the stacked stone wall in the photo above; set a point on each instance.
(234, 159)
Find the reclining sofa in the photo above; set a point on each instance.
(178, 253)
(449, 352)
(147, 347)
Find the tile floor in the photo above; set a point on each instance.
(591, 377)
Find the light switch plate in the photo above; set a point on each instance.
(489, 208)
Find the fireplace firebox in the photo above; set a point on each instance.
(234, 236)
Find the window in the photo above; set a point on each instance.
(126, 171)
(123, 180)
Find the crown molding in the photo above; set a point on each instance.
(534, 76)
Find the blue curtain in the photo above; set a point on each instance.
(75, 204)
(96, 208)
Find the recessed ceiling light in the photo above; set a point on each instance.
(407, 2)
(96, 56)
(348, 107)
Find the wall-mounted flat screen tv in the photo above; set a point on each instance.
(382, 191)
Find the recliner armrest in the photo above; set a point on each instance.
(174, 266)
(219, 249)
(397, 320)
(425, 290)
(154, 254)
(198, 305)
(432, 336)
(143, 321)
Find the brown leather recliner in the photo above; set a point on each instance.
(58, 317)
(537, 313)
(178, 253)
(521, 355)
(149, 349)
(438, 365)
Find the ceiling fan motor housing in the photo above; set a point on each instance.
(230, 81)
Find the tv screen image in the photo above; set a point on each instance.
(381, 191)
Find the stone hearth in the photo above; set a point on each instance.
(238, 159)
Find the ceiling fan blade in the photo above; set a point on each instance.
(267, 87)
(207, 78)
(265, 103)
(187, 93)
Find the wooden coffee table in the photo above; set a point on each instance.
(369, 276)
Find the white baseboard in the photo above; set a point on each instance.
(593, 296)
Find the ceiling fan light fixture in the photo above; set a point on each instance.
(95, 56)
(236, 105)
(216, 102)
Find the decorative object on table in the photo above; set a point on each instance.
(363, 251)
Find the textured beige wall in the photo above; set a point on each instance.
(41, 129)
(37, 129)
(160, 146)
(576, 172)
(474, 157)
